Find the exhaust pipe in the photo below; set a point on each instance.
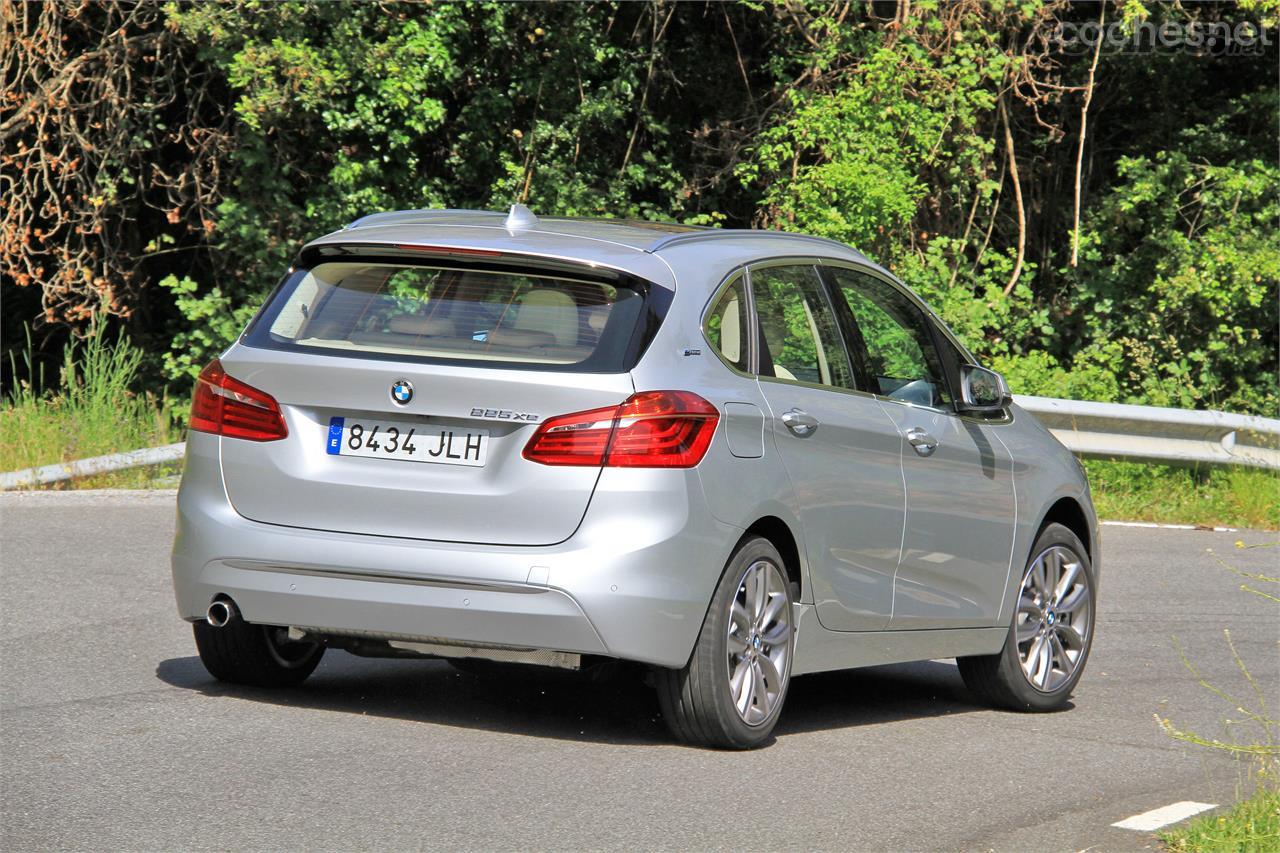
(220, 613)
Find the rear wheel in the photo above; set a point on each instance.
(1052, 631)
(258, 655)
(732, 690)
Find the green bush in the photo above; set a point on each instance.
(89, 409)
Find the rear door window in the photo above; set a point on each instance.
(371, 308)
(800, 338)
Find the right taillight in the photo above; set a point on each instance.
(225, 406)
(652, 429)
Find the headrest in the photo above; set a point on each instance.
(417, 324)
(521, 338)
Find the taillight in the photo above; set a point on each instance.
(652, 429)
(226, 406)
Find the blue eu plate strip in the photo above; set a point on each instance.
(334, 446)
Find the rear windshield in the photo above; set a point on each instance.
(380, 308)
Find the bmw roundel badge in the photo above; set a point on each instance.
(402, 391)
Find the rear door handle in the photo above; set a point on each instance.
(924, 443)
(801, 424)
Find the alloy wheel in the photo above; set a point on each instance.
(1054, 619)
(759, 642)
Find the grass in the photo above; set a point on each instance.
(1226, 496)
(89, 410)
(1251, 826)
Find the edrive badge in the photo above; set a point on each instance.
(402, 391)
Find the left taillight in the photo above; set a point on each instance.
(652, 429)
(226, 406)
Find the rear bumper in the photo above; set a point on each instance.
(633, 582)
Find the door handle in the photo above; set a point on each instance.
(924, 443)
(801, 424)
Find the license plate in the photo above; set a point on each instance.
(407, 442)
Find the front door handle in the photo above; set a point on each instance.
(924, 443)
(801, 424)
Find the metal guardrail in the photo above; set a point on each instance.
(1095, 430)
(1153, 434)
(48, 474)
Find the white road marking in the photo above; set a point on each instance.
(1156, 818)
(1153, 524)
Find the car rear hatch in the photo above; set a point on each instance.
(410, 387)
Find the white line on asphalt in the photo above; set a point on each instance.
(1156, 818)
(1168, 526)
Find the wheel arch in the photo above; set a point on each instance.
(1068, 512)
(1073, 512)
(779, 533)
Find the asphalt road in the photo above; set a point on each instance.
(113, 736)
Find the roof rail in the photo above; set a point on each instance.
(725, 233)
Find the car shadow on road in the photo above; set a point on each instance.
(571, 706)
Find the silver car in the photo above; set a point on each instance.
(733, 457)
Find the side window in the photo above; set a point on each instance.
(800, 337)
(726, 327)
(900, 353)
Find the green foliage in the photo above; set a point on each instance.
(214, 320)
(904, 130)
(853, 163)
(1181, 265)
(90, 409)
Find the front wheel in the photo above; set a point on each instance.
(1052, 631)
(731, 692)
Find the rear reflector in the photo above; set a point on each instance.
(652, 429)
(226, 406)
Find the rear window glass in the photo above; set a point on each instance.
(367, 308)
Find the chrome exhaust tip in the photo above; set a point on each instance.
(220, 613)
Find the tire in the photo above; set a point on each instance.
(1059, 632)
(255, 655)
(698, 700)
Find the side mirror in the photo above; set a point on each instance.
(982, 390)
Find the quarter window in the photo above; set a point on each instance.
(898, 344)
(800, 336)
(726, 327)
